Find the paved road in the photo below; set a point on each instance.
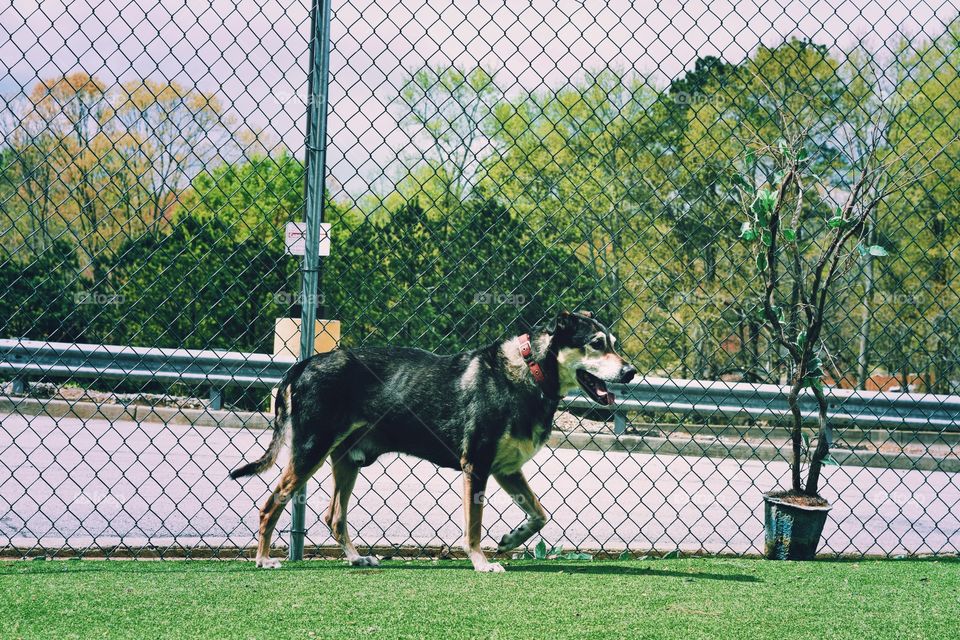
(66, 482)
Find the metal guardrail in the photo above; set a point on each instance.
(219, 369)
(728, 400)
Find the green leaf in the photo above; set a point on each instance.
(578, 556)
(761, 261)
(626, 555)
(764, 202)
(672, 555)
(762, 219)
(766, 237)
(747, 232)
(815, 365)
(877, 250)
(862, 250)
(741, 182)
(802, 338)
(802, 155)
(789, 234)
(835, 221)
(540, 551)
(751, 157)
(784, 149)
(806, 440)
(555, 551)
(761, 208)
(829, 461)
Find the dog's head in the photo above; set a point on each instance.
(586, 355)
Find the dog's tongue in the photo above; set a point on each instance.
(607, 396)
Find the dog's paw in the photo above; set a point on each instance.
(365, 561)
(268, 563)
(490, 567)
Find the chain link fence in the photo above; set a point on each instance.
(486, 166)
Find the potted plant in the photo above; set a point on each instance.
(803, 239)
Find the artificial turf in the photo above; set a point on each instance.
(681, 598)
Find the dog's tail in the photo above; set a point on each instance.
(280, 422)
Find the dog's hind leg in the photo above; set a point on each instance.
(516, 485)
(344, 477)
(290, 481)
(302, 465)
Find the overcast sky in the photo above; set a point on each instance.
(254, 53)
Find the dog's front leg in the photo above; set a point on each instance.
(474, 488)
(518, 488)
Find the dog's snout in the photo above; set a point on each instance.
(627, 373)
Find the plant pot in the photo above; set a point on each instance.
(792, 531)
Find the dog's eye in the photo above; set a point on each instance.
(599, 344)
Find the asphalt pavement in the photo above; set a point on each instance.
(74, 483)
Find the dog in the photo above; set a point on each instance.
(485, 412)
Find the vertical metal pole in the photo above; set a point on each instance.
(315, 160)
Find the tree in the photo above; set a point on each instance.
(812, 252)
(196, 286)
(42, 298)
(445, 111)
(448, 282)
(584, 165)
(255, 196)
(173, 132)
(923, 226)
(102, 163)
(58, 136)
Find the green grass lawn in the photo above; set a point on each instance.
(685, 598)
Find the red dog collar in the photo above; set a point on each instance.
(526, 352)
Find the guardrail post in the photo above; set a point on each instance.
(216, 398)
(315, 170)
(19, 386)
(619, 423)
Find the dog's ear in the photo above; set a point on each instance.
(555, 324)
(562, 321)
(586, 314)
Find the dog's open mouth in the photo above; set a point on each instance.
(595, 387)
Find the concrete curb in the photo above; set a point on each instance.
(135, 413)
(744, 451)
(580, 440)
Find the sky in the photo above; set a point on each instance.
(254, 53)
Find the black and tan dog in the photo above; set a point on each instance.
(485, 412)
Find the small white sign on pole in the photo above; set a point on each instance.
(296, 238)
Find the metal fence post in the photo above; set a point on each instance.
(315, 168)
